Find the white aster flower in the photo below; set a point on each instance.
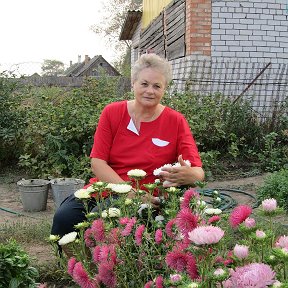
(68, 238)
(142, 207)
(111, 213)
(90, 189)
(121, 188)
(128, 201)
(136, 173)
(110, 185)
(82, 194)
(157, 171)
(171, 189)
(212, 211)
(99, 184)
(159, 218)
(53, 238)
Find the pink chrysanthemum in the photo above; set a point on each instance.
(186, 221)
(107, 274)
(249, 222)
(241, 251)
(114, 236)
(170, 227)
(82, 278)
(239, 214)
(269, 205)
(71, 264)
(159, 282)
(188, 195)
(129, 226)
(96, 254)
(108, 253)
(149, 284)
(252, 275)
(214, 219)
(139, 233)
(124, 220)
(176, 260)
(158, 236)
(98, 230)
(88, 238)
(191, 267)
(282, 242)
(206, 235)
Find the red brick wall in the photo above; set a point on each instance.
(198, 27)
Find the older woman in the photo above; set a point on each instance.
(139, 134)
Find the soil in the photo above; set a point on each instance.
(11, 208)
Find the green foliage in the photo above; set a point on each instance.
(11, 119)
(275, 186)
(52, 67)
(15, 269)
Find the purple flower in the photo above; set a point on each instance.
(206, 235)
(269, 205)
(241, 251)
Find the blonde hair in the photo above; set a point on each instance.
(153, 61)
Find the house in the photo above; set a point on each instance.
(90, 67)
(238, 48)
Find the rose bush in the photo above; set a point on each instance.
(185, 243)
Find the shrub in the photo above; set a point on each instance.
(275, 186)
(15, 269)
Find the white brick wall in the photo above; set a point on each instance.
(253, 29)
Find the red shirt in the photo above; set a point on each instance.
(159, 142)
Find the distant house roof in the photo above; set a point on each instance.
(89, 67)
(131, 22)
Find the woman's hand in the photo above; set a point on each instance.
(183, 175)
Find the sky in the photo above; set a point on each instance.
(34, 30)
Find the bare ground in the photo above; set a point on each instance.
(12, 209)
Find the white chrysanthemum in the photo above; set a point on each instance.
(171, 189)
(157, 171)
(212, 211)
(53, 238)
(90, 189)
(82, 194)
(159, 218)
(111, 213)
(121, 188)
(110, 185)
(99, 184)
(137, 173)
(142, 207)
(68, 238)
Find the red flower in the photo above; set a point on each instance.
(169, 229)
(82, 278)
(176, 260)
(158, 236)
(107, 275)
(214, 219)
(188, 195)
(159, 282)
(71, 264)
(98, 230)
(191, 267)
(186, 221)
(239, 215)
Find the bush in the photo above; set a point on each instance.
(15, 269)
(275, 186)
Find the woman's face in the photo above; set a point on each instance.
(149, 87)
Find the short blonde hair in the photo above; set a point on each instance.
(153, 61)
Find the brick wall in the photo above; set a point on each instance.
(256, 31)
(198, 27)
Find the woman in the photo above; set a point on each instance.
(138, 134)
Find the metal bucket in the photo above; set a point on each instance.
(64, 187)
(34, 194)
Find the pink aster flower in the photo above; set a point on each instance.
(82, 278)
(269, 205)
(241, 251)
(139, 233)
(251, 275)
(174, 278)
(159, 282)
(71, 264)
(129, 226)
(191, 266)
(170, 227)
(114, 236)
(187, 197)
(88, 238)
(107, 275)
(96, 254)
(149, 284)
(249, 222)
(214, 219)
(282, 242)
(186, 221)
(124, 220)
(260, 234)
(176, 260)
(98, 230)
(206, 235)
(158, 236)
(239, 214)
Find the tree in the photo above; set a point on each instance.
(115, 11)
(52, 68)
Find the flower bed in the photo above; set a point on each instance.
(186, 243)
